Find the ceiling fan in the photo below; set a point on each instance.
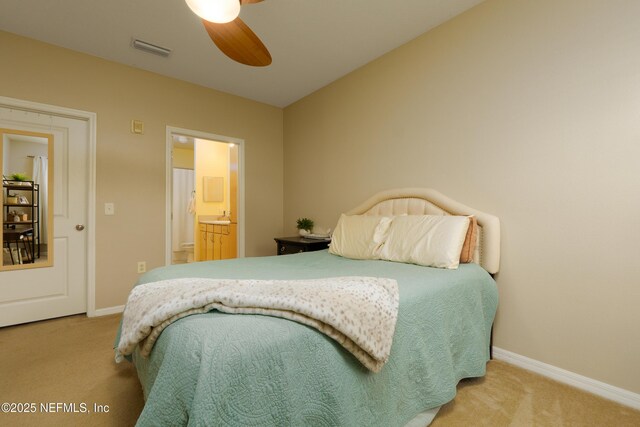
(232, 36)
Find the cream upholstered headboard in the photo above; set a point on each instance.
(425, 201)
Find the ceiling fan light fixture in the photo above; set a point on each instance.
(218, 11)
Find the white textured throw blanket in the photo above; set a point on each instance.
(358, 312)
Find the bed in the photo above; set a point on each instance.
(253, 370)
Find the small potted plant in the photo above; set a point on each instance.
(20, 178)
(305, 226)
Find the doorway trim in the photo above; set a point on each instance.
(171, 130)
(90, 118)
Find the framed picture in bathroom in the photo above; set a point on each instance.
(213, 189)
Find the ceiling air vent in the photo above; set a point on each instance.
(150, 48)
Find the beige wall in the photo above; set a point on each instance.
(529, 110)
(183, 158)
(131, 168)
(20, 159)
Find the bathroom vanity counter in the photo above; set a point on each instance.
(217, 240)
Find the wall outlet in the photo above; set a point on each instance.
(142, 266)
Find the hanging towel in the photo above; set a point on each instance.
(191, 208)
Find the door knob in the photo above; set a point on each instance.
(79, 227)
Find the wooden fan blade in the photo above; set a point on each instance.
(236, 40)
(249, 1)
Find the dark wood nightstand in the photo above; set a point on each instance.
(297, 244)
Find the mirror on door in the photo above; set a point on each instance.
(27, 203)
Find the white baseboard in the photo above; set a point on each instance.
(619, 395)
(107, 311)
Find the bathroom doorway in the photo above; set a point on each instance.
(205, 197)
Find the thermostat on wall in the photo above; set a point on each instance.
(137, 126)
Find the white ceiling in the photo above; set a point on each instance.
(312, 42)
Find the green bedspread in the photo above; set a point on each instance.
(249, 370)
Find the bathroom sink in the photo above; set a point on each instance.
(217, 222)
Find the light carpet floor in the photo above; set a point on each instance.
(70, 360)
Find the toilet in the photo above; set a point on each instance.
(188, 248)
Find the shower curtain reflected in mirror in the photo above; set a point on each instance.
(183, 219)
(40, 173)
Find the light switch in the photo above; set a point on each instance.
(109, 209)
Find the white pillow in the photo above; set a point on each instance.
(359, 236)
(429, 240)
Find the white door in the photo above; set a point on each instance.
(41, 293)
